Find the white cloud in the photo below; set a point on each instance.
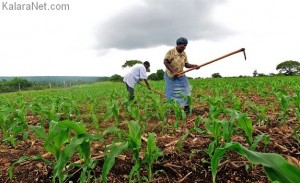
(67, 42)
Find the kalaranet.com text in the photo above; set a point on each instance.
(9, 6)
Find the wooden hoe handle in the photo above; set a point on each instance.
(224, 56)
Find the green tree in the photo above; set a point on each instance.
(216, 75)
(261, 75)
(160, 74)
(16, 82)
(153, 77)
(289, 67)
(116, 78)
(130, 63)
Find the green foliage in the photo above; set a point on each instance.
(133, 143)
(289, 67)
(13, 123)
(295, 133)
(275, 166)
(216, 75)
(261, 75)
(152, 154)
(116, 78)
(130, 63)
(159, 75)
(153, 77)
(228, 107)
(14, 85)
(115, 150)
(60, 142)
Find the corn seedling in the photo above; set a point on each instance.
(113, 110)
(152, 154)
(133, 144)
(179, 113)
(275, 166)
(60, 143)
(12, 123)
(195, 129)
(295, 133)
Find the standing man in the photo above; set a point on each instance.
(177, 85)
(137, 72)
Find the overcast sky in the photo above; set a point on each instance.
(95, 38)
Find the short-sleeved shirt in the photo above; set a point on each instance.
(177, 60)
(137, 72)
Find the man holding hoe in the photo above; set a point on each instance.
(177, 84)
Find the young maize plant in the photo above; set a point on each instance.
(62, 145)
(12, 123)
(245, 123)
(275, 166)
(195, 129)
(152, 154)
(133, 143)
(113, 110)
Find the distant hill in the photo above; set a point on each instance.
(53, 79)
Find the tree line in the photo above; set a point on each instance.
(12, 84)
(286, 68)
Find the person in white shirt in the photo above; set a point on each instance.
(137, 73)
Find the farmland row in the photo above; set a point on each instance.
(69, 121)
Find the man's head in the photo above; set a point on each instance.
(181, 44)
(146, 64)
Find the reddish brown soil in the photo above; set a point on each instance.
(190, 165)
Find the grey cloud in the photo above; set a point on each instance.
(160, 22)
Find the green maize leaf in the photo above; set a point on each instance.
(83, 176)
(65, 156)
(275, 166)
(112, 129)
(296, 133)
(180, 141)
(39, 131)
(153, 152)
(115, 150)
(135, 137)
(85, 151)
(135, 171)
(151, 144)
(20, 160)
(257, 140)
(227, 131)
(246, 124)
(79, 128)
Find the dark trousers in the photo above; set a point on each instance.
(130, 91)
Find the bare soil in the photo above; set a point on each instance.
(190, 165)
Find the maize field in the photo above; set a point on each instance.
(237, 130)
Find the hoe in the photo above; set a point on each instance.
(219, 58)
